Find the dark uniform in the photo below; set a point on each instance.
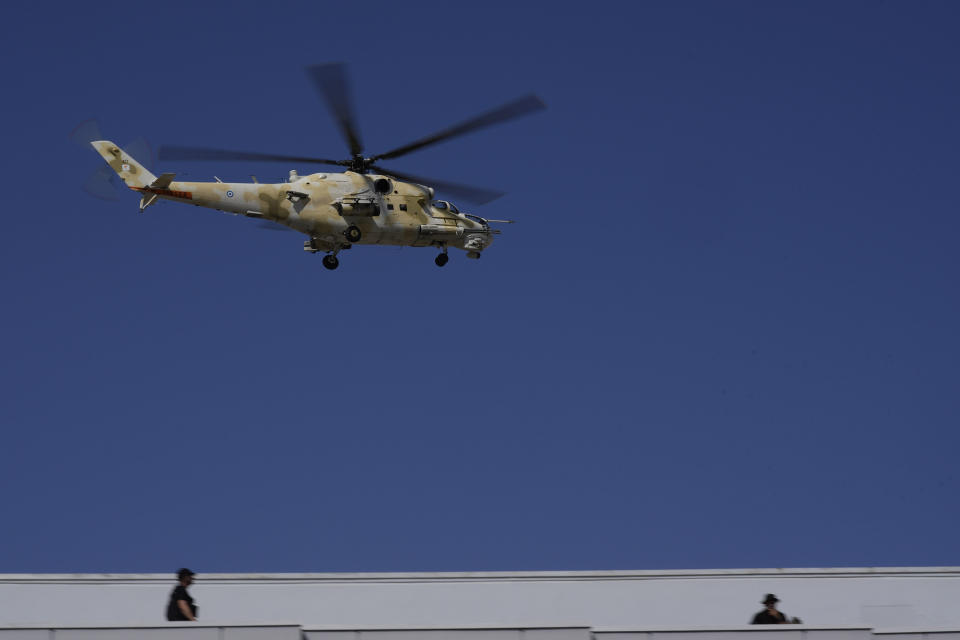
(765, 617)
(173, 609)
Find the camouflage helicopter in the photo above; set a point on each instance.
(366, 204)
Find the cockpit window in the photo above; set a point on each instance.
(440, 204)
(453, 208)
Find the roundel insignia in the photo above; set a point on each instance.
(229, 194)
(125, 167)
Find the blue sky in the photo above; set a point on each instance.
(723, 332)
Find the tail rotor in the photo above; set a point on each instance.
(103, 183)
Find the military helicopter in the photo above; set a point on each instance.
(366, 204)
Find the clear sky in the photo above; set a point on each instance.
(723, 332)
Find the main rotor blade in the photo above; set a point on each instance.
(476, 195)
(519, 107)
(331, 81)
(175, 152)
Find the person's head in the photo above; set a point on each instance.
(185, 576)
(771, 601)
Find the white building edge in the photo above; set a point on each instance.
(913, 603)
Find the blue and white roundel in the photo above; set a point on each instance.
(229, 194)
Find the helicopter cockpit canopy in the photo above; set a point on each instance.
(443, 205)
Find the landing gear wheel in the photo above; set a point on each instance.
(352, 234)
(331, 262)
(441, 259)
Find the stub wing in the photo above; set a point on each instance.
(157, 187)
(163, 181)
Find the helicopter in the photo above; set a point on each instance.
(364, 204)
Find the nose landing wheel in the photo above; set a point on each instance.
(331, 262)
(441, 259)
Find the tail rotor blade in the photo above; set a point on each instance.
(86, 132)
(102, 184)
(142, 151)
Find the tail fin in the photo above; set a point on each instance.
(130, 171)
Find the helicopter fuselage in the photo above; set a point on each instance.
(325, 206)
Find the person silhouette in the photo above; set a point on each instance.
(181, 607)
(770, 615)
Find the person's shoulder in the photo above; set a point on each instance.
(762, 617)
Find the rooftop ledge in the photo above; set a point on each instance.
(602, 630)
(852, 572)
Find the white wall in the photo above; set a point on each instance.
(192, 631)
(883, 598)
(165, 632)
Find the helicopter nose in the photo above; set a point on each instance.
(477, 242)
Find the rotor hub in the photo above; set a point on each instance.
(359, 164)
